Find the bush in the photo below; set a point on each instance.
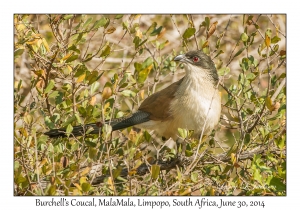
(78, 69)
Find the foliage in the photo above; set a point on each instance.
(77, 69)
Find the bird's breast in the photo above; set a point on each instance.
(197, 105)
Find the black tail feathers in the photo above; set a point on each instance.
(79, 130)
(117, 124)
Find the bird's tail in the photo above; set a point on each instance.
(95, 128)
(77, 130)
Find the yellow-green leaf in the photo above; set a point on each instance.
(67, 56)
(71, 58)
(92, 153)
(50, 86)
(80, 78)
(94, 87)
(188, 33)
(52, 190)
(69, 129)
(269, 103)
(106, 51)
(244, 37)
(46, 44)
(183, 132)
(18, 52)
(85, 187)
(155, 171)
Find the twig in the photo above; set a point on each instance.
(282, 84)
(194, 33)
(276, 27)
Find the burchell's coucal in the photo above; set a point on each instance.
(191, 103)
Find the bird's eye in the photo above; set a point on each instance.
(195, 59)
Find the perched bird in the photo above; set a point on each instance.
(191, 103)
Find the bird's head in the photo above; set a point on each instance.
(199, 63)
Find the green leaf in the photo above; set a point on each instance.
(143, 42)
(92, 153)
(69, 121)
(55, 117)
(78, 118)
(118, 16)
(162, 45)
(52, 190)
(219, 53)
(80, 71)
(275, 39)
(125, 25)
(223, 71)
(90, 143)
(93, 77)
(250, 76)
(155, 171)
(280, 141)
(88, 57)
(18, 52)
(137, 66)
(49, 123)
(142, 76)
(69, 129)
(148, 62)
(87, 22)
(99, 23)
(73, 48)
(105, 52)
(94, 87)
(244, 37)
(207, 22)
(71, 58)
(156, 31)
(117, 172)
(50, 86)
(20, 179)
(67, 17)
(280, 186)
(152, 27)
(247, 138)
(136, 42)
(183, 132)
(269, 32)
(85, 187)
(188, 33)
(19, 84)
(239, 52)
(194, 177)
(128, 93)
(257, 175)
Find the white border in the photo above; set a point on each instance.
(8, 201)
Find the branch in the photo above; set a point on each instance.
(185, 161)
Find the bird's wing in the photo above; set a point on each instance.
(158, 104)
(155, 107)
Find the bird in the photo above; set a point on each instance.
(191, 103)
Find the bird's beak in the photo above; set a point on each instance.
(180, 58)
